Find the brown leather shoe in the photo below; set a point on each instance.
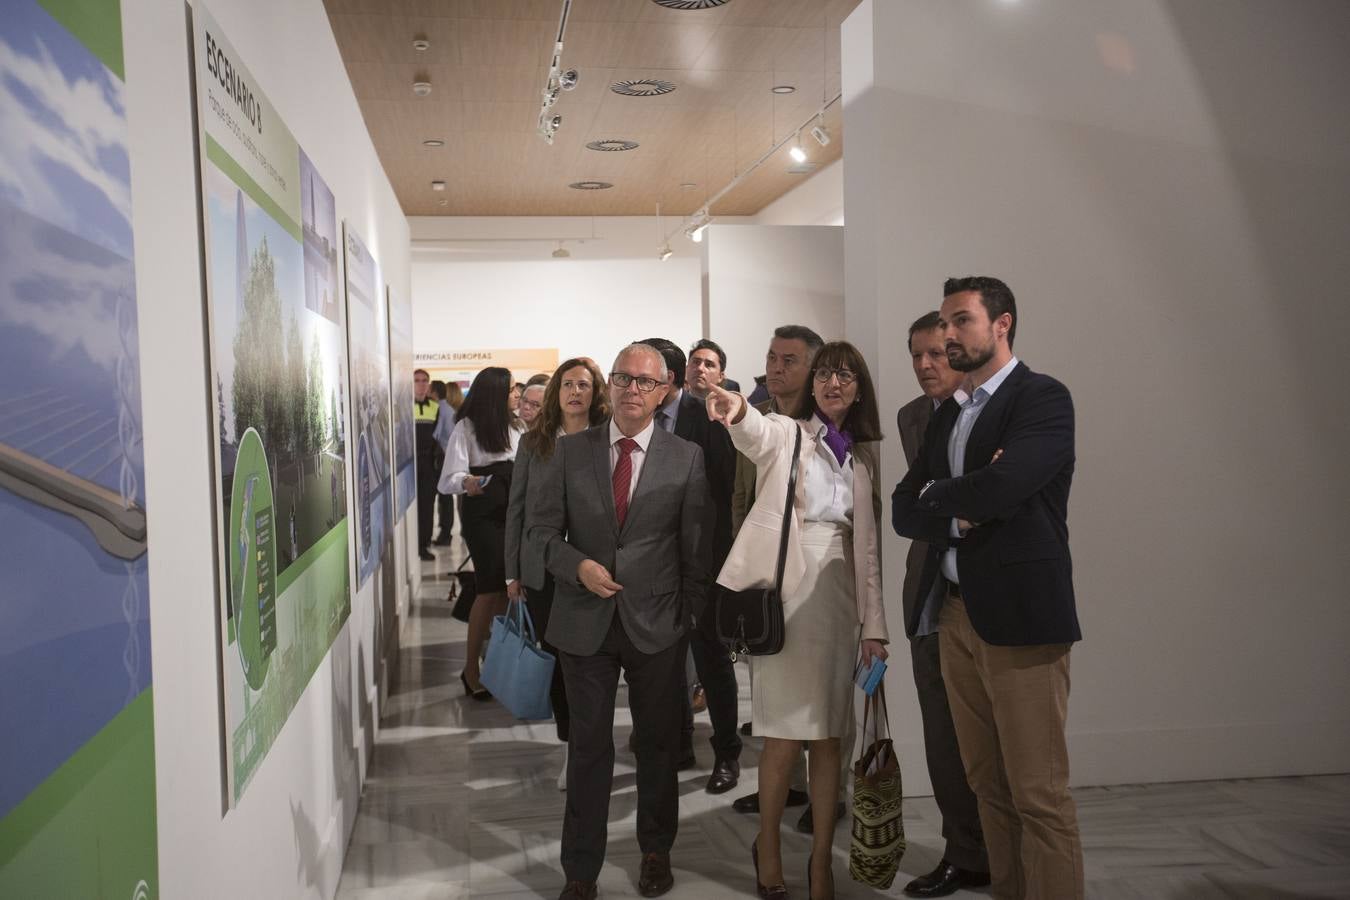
(655, 878)
(578, 890)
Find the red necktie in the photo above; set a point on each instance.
(623, 476)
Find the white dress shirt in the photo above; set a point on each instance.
(464, 451)
(829, 485)
(643, 438)
(971, 407)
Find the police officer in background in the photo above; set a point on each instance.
(426, 411)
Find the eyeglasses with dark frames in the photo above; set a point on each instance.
(845, 376)
(622, 380)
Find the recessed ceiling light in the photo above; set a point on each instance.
(783, 88)
(438, 185)
(690, 4)
(421, 44)
(421, 88)
(433, 142)
(687, 185)
(442, 202)
(612, 145)
(590, 185)
(642, 87)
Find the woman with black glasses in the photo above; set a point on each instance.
(832, 604)
(478, 464)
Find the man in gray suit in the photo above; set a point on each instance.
(965, 862)
(625, 521)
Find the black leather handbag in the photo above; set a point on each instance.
(750, 622)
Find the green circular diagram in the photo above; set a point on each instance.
(253, 559)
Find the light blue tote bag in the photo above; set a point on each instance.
(517, 670)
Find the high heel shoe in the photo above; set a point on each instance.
(772, 892)
(481, 695)
(809, 895)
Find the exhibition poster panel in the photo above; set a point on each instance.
(368, 347)
(405, 429)
(77, 767)
(277, 354)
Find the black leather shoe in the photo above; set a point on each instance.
(945, 879)
(747, 728)
(655, 877)
(443, 540)
(426, 555)
(726, 774)
(750, 802)
(807, 823)
(578, 890)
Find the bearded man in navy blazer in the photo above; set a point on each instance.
(989, 493)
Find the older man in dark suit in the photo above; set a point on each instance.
(684, 415)
(624, 519)
(964, 863)
(989, 494)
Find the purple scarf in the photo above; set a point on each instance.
(839, 442)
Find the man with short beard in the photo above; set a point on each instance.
(989, 494)
(964, 861)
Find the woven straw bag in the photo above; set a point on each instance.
(878, 839)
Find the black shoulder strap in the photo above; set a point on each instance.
(787, 509)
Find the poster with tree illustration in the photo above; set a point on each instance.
(278, 364)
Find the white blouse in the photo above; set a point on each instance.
(829, 486)
(464, 451)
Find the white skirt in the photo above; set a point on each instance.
(805, 692)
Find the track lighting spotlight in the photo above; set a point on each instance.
(421, 88)
(568, 80)
(664, 252)
(821, 134)
(796, 151)
(695, 230)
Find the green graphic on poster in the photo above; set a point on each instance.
(278, 369)
(253, 581)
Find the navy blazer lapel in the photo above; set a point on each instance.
(980, 447)
(655, 453)
(604, 478)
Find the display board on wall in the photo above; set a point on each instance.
(278, 361)
(368, 349)
(405, 429)
(77, 768)
(460, 366)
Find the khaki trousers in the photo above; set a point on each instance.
(1009, 705)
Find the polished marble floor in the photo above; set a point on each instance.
(461, 801)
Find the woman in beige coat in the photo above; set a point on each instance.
(831, 587)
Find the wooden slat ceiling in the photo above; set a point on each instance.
(487, 64)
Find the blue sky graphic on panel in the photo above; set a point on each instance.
(74, 624)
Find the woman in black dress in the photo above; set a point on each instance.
(478, 463)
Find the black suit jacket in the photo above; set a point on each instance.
(1015, 569)
(912, 421)
(660, 555)
(719, 461)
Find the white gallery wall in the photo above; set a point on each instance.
(492, 283)
(287, 836)
(1166, 187)
(761, 276)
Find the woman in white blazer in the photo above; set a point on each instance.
(831, 587)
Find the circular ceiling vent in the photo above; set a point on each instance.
(642, 87)
(690, 4)
(612, 145)
(590, 185)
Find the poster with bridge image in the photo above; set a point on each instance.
(405, 429)
(77, 768)
(368, 349)
(278, 366)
